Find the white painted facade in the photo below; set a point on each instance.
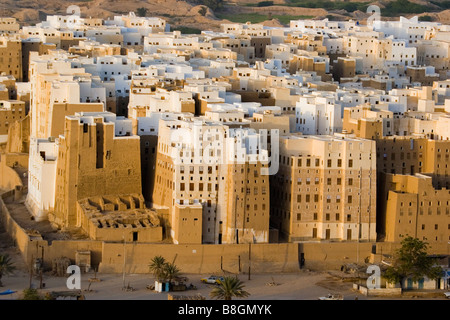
(41, 177)
(318, 115)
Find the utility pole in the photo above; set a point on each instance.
(31, 271)
(249, 259)
(359, 216)
(41, 268)
(124, 261)
(236, 238)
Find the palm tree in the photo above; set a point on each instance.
(6, 267)
(228, 288)
(170, 271)
(157, 267)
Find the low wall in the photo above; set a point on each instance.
(385, 292)
(32, 247)
(20, 236)
(64, 248)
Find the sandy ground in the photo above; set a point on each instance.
(299, 286)
(303, 285)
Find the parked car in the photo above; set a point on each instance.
(212, 280)
(447, 295)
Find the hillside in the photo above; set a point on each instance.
(189, 14)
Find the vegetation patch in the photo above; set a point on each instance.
(398, 7)
(187, 30)
(330, 5)
(257, 18)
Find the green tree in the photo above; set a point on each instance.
(228, 288)
(170, 271)
(203, 11)
(265, 4)
(157, 267)
(425, 18)
(213, 4)
(31, 294)
(6, 267)
(411, 261)
(141, 12)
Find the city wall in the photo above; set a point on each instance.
(196, 259)
(20, 236)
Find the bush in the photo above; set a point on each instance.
(443, 4)
(141, 12)
(213, 4)
(330, 5)
(265, 3)
(187, 30)
(31, 294)
(203, 11)
(403, 6)
(425, 18)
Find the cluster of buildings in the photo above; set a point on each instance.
(320, 131)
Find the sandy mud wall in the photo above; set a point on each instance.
(202, 258)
